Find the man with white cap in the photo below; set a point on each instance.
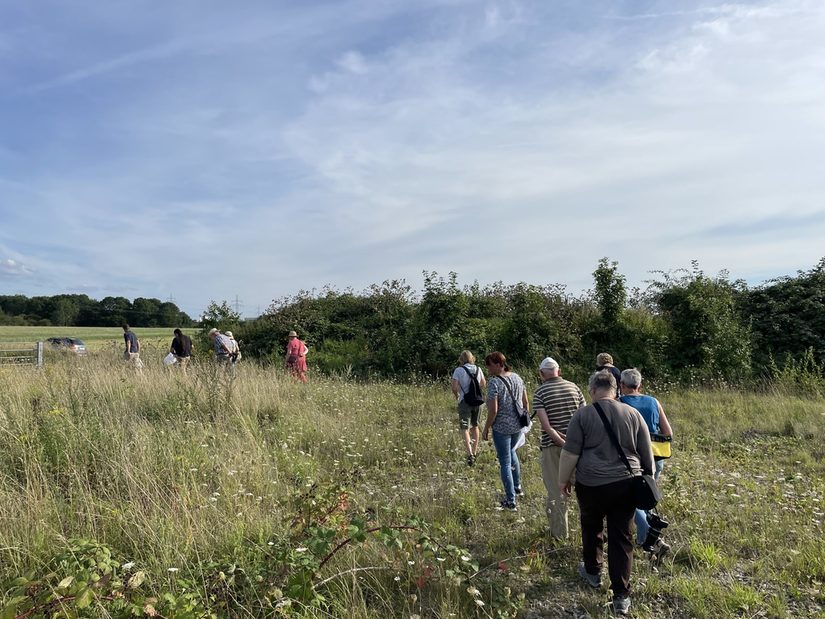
(554, 402)
(223, 347)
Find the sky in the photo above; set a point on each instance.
(201, 150)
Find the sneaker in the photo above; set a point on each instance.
(621, 606)
(519, 491)
(593, 580)
(471, 460)
(508, 505)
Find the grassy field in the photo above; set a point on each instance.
(124, 495)
(95, 338)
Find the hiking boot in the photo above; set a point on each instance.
(593, 580)
(621, 606)
(507, 505)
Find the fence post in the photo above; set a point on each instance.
(40, 354)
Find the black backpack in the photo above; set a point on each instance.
(473, 395)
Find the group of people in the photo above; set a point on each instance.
(577, 451)
(226, 351)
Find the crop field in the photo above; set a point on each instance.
(95, 338)
(159, 494)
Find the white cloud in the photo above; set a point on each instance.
(12, 268)
(488, 139)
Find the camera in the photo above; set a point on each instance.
(656, 524)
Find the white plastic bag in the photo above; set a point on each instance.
(523, 438)
(170, 359)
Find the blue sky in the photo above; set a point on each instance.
(205, 149)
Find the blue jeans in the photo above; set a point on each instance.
(508, 463)
(641, 516)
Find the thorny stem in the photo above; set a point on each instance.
(373, 530)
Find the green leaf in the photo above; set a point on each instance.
(66, 582)
(85, 599)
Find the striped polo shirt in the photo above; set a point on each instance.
(560, 399)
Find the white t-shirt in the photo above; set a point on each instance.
(464, 379)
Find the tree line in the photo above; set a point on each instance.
(684, 325)
(79, 310)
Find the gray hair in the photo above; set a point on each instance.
(602, 381)
(632, 378)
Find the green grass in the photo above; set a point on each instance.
(193, 473)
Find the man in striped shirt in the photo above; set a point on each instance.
(555, 402)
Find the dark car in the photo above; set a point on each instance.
(68, 344)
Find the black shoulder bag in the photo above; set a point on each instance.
(523, 416)
(645, 491)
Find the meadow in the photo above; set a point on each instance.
(194, 496)
(95, 338)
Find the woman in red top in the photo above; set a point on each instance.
(296, 357)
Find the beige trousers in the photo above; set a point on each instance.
(556, 503)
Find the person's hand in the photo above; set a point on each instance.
(565, 489)
(486, 434)
(559, 443)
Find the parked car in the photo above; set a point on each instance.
(68, 344)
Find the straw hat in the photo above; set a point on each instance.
(293, 334)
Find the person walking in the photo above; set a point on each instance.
(505, 395)
(554, 402)
(296, 357)
(132, 352)
(467, 384)
(649, 538)
(235, 348)
(604, 483)
(181, 347)
(604, 361)
(221, 347)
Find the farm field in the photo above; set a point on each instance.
(164, 495)
(95, 338)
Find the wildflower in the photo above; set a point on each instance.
(172, 569)
(301, 549)
(128, 566)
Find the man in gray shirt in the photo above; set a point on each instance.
(603, 483)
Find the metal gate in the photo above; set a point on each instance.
(21, 353)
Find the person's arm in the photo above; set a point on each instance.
(643, 447)
(664, 424)
(482, 382)
(492, 411)
(567, 464)
(455, 387)
(555, 435)
(525, 403)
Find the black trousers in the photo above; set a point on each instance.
(615, 503)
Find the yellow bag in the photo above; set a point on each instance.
(661, 446)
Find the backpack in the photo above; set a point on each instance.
(473, 395)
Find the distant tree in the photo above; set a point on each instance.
(787, 315)
(66, 311)
(610, 291)
(219, 316)
(707, 333)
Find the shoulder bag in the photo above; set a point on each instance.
(523, 416)
(646, 493)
